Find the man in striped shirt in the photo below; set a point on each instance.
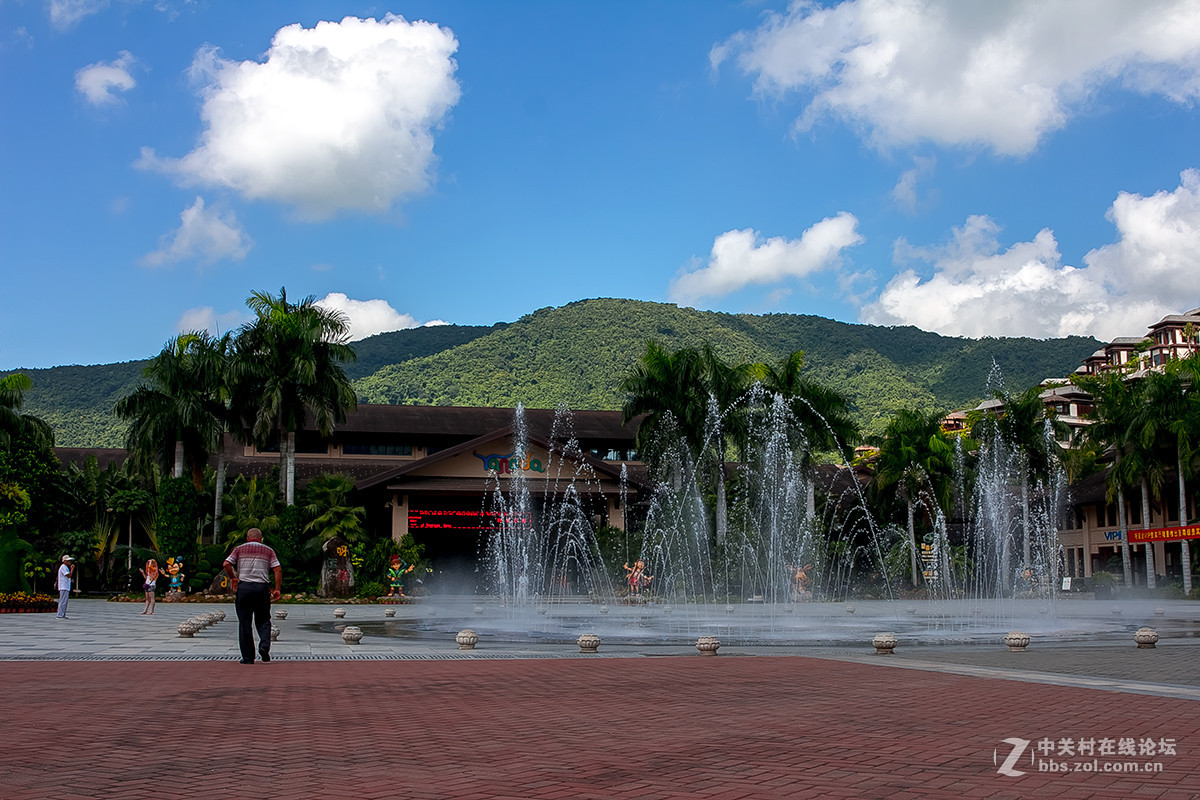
(254, 562)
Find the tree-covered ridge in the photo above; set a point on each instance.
(382, 349)
(577, 354)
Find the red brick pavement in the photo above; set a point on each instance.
(652, 729)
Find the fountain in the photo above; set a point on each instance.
(765, 565)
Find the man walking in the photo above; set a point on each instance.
(66, 571)
(254, 562)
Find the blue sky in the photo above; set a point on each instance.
(1022, 168)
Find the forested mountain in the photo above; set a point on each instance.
(578, 353)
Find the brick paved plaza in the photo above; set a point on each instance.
(746, 724)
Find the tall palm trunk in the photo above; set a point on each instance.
(291, 468)
(219, 492)
(1126, 559)
(1185, 548)
(177, 472)
(912, 544)
(1146, 525)
(1025, 523)
(722, 510)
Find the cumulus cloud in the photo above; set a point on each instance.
(98, 82)
(338, 117)
(369, 317)
(997, 75)
(974, 287)
(204, 235)
(205, 318)
(65, 13)
(741, 258)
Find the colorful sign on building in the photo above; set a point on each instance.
(1165, 534)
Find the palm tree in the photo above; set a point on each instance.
(287, 366)
(12, 422)
(822, 413)
(1167, 420)
(1112, 412)
(329, 512)
(668, 388)
(916, 458)
(175, 414)
(1022, 424)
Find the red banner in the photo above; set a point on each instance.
(1165, 534)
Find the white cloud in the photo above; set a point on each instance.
(205, 318)
(65, 13)
(205, 235)
(976, 288)
(369, 317)
(338, 117)
(98, 81)
(997, 74)
(741, 258)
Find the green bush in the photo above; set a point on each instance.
(178, 515)
(369, 589)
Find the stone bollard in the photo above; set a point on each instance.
(884, 643)
(187, 629)
(467, 639)
(281, 613)
(708, 645)
(849, 609)
(389, 612)
(589, 643)
(352, 634)
(275, 633)
(1017, 641)
(603, 608)
(729, 609)
(339, 612)
(1146, 638)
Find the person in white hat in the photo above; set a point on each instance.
(66, 572)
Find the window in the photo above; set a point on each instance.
(375, 449)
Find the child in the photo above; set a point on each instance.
(149, 581)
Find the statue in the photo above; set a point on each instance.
(799, 581)
(174, 568)
(636, 577)
(396, 573)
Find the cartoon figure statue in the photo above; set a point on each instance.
(175, 570)
(396, 574)
(799, 580)
(636, 577)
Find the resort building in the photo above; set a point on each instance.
(431, 471)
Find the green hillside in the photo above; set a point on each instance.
(578, 353)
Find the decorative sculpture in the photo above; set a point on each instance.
(636, 577)
(799, 581)
(396, 573)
